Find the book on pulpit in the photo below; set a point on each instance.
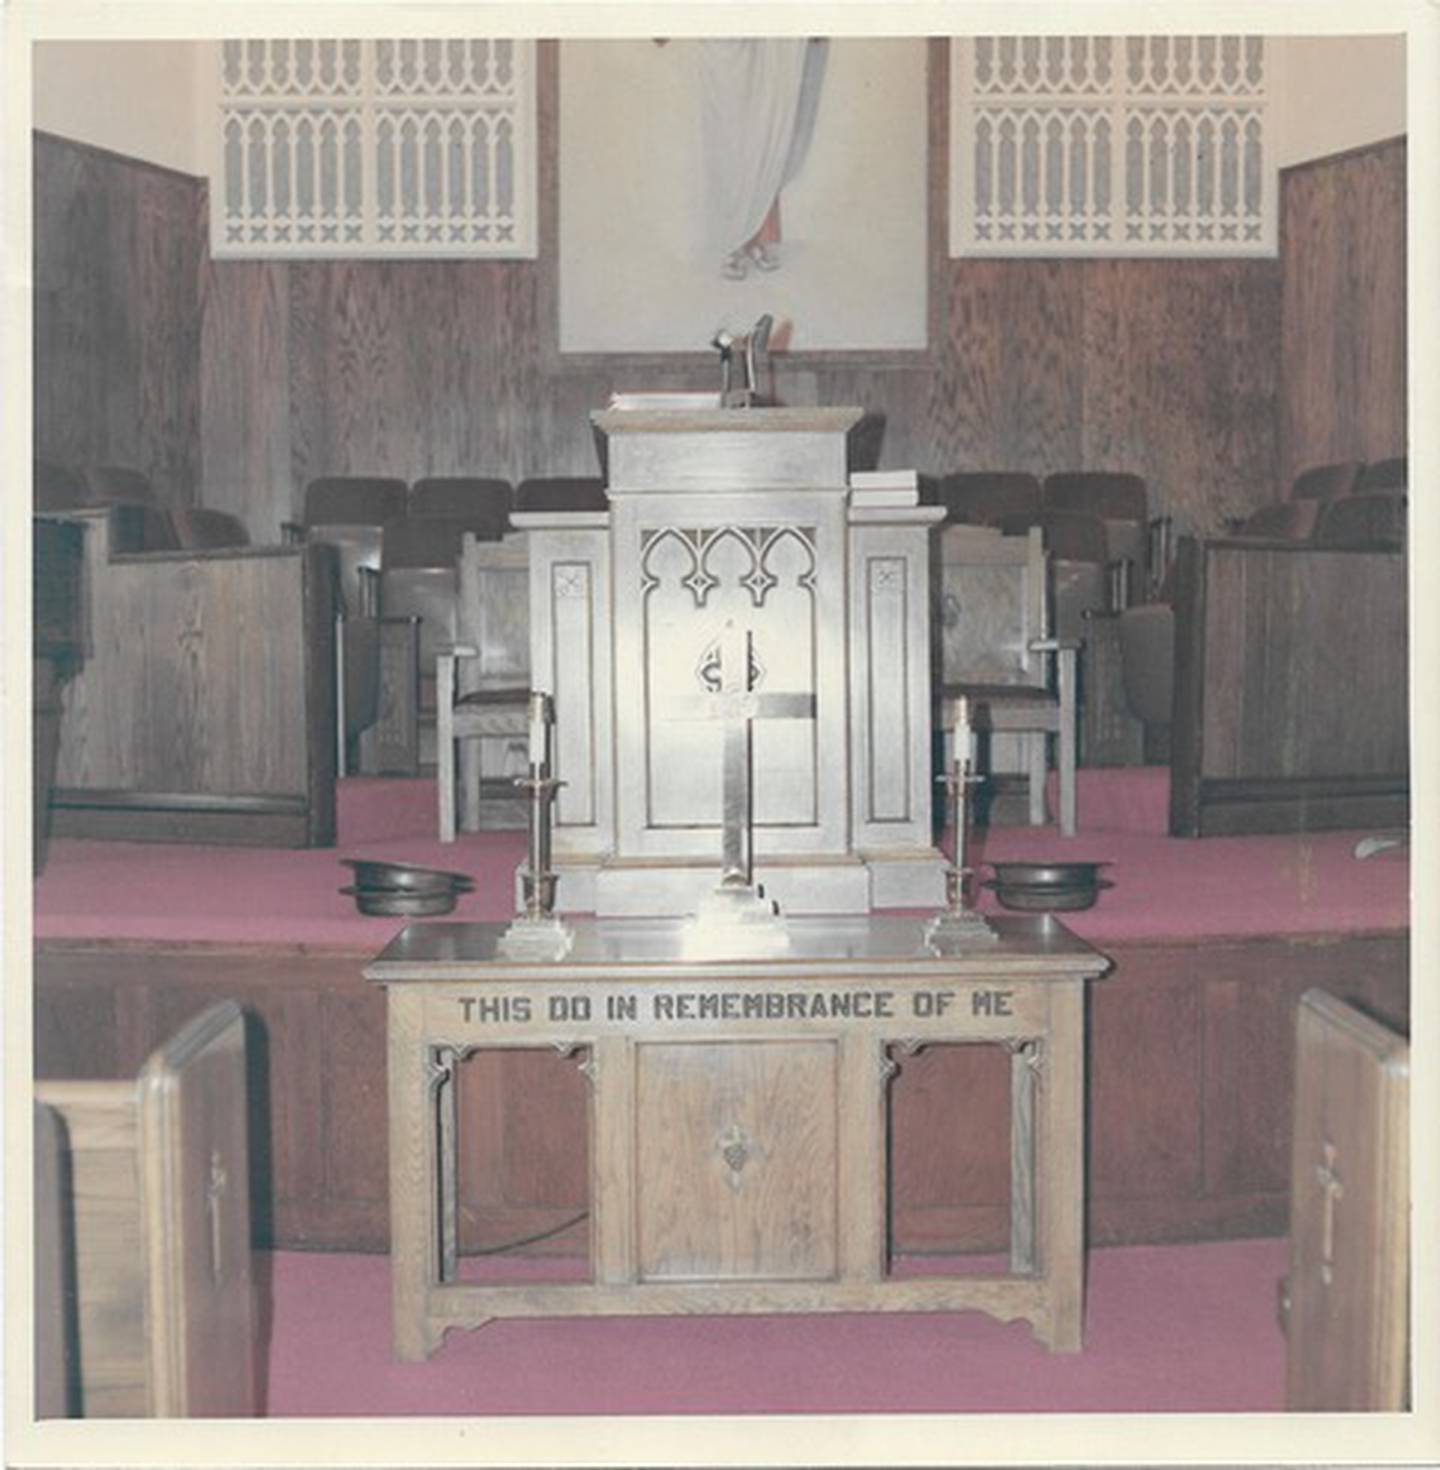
(884, 488)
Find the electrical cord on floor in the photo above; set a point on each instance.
(514, 1245)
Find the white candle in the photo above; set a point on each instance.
(539, 730)
(962, 733)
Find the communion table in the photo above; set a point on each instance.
(738, 1113)
(741, 522)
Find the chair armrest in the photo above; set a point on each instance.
(1158, 554)
(1118, 591)
(1055, 645)
(368, 581)
(457, 650)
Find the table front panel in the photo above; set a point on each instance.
(736, 1160)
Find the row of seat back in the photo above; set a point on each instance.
(1094, 517)
(63, 487)
(389, 535)
(988, 497)
(1071, 535)
(189, 528)
(483, 501)
(1360, 518)
(419, 560)
(1351, 477)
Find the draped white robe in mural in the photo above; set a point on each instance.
(758, 101)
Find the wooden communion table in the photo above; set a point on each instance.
(738, 1113)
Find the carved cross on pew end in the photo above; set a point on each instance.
(1331, 1186)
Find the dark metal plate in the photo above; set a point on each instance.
(372, 875)
(1048, 898)
(396, 903)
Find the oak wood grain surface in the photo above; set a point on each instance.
(737, 1160)
(118, 249)
(1291, 688)
(1189, 1083)
(156, 1203)
(203, 684)
(1343, 314)
(1348, 1286)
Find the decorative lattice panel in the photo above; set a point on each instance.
(399, 147)
(1103, 145)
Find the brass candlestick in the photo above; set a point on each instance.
(536, 932)
(959, 925)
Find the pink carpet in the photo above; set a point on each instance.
(1169, 1329)
(1165, 888)
(1118, 798)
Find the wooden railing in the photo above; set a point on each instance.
(1291, 699)
(202, 705)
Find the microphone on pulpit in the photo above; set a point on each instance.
(757, 344)
(724, 342)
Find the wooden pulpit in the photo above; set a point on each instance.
(744, 519)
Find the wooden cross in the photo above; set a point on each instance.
(736, 705)
(1333, 1190)
(216, 1185)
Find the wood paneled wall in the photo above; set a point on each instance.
(1190, 1082)
(1172, 368)
(118, 250)
(1343, 321)
(1168, 368)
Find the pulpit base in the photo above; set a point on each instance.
(804, 884)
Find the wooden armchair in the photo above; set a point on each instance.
(482, 690)
(1078, 555)
(419, 595)
(349, 513)
(995, 650)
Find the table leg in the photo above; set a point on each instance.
(413, 1154)
(1024, 1057)
(1061, 1169)
(447, 1161)
(865, 1072)
(612, 1109)
(445, 744)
